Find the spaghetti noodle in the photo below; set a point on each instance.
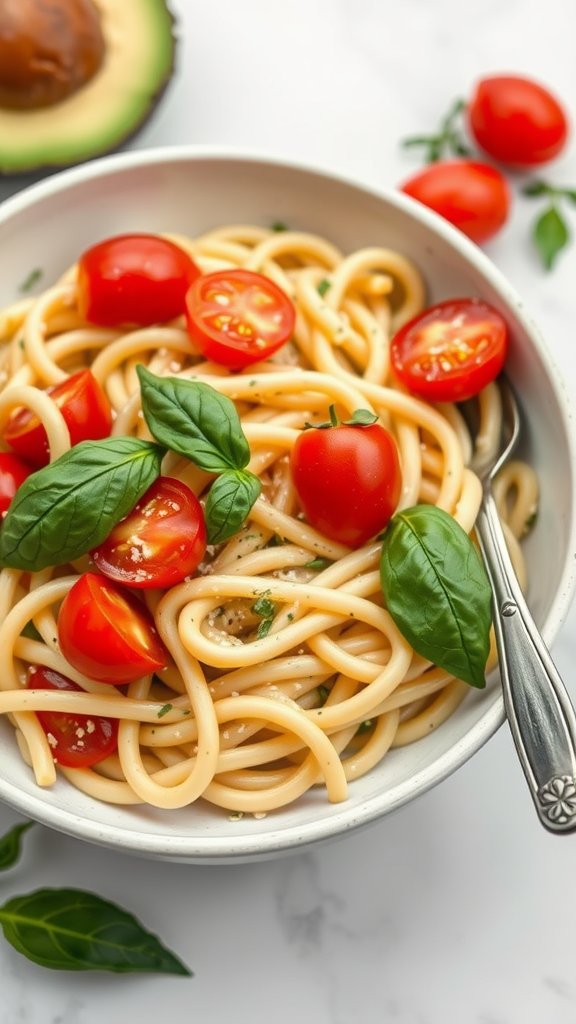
(246, 719)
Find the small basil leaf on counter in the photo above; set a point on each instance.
(194, 420)
(72, 930)
(550, 235)
(229, 501)
(62, 511)
(437, 591)
(11, 845)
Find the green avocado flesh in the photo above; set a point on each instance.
(111, 107)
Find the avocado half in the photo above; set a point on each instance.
(110, 108)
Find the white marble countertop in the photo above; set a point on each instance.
(459, 908)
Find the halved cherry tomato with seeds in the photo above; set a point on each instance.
(160, 542)
(76, 741)
(106, 633)
(134, 280)
(13, 473)
(238, 317)
(451, 351)
(84, 406)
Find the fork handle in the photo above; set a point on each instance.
(540, 714)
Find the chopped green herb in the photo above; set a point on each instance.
(365, 726)
(276, 541)
(317, 564)
(279, 225)
(264, 607)
(164, 710)
(29, 282)
(323, 287)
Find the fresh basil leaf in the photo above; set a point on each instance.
(550, 235)
(71, 930)
(194, 420)
(11, 846)
(264, 607)
(230, 499)
(437, 591)
(70, 506)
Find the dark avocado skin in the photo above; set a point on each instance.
(18, 180)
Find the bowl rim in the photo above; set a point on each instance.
(199, 848)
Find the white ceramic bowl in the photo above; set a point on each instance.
(188, 191)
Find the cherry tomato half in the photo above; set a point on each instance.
(237, 317)
(160, 542)
(13, 473)
(77, 741)
(348, 480)
(467, 193)
(451, 351)
(134, 280)
(106, 633)
(84, 406)
(517, 121)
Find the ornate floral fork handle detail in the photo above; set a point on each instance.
(539, 710)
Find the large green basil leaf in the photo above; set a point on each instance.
(70, 506)
(194, 420)
(437, 591)
(230, 499)
(72, 930)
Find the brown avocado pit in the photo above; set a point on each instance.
(78, 77)
(48, 50)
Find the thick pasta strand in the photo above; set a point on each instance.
(250, 722)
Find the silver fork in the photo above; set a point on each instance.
(539, 710)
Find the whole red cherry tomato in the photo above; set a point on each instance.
(13, 472)
(134, 280)
(517, 121)
(238, 317)
(470, 194)
(106, 633)
(160, 542)
(450, 351)
(77, 741)
(84, 406)
(348, 478)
